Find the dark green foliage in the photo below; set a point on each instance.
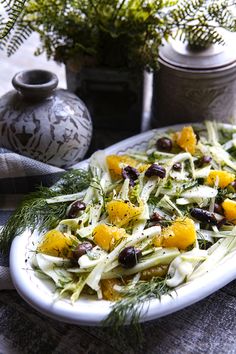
(13, 8)
(100, 33)
(21, 33)
(198, 21)
(223, 14)
(118, 33)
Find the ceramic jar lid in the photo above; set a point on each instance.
(180, 55)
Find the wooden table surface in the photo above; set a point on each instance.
(208, 326)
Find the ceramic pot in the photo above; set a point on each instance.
(114, 97)
(42, 122)
(192, 86)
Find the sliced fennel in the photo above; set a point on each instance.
(90, 261)
(222, 157)
(178, 158)
(96, 274)
(202, 172)
(163, 200)
(215, 254)
(124, 192)
(66, 198)
(200, 191)
(168, 205)
(161, 256)
(53, 267)
(183, 266)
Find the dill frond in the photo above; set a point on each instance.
(35, 212)
(130, 308)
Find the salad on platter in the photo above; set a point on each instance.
(135, 226)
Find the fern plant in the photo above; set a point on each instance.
(119, 33)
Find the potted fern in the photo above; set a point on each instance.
(107, 44)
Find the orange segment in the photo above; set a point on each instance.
(224, 178)
(106, 236)
(186, 139)
(55, 243)
(229, 207)
(108, 291)
(180, 234)
(121, 212)
(117, 162)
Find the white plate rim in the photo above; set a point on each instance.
(92, 312)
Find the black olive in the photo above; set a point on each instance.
(204, 160)
(129, 257)
(197, 135)
(204, 216)
(177, 166)
(233, 184)
(75, 208)
(164, 144)
(155, 217)
(82, 249)
(131, 173)
(155, 170)
(221, 222)
(218, 208)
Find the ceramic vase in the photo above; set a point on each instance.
(47, 124)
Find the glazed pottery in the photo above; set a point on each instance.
(194, 85)
(42, 122)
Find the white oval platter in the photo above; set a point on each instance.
(40, 294)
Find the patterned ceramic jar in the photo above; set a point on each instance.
(48, 124)
(192, 85)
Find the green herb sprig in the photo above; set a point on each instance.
(130, 308)
(34, 211)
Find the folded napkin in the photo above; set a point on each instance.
(19, 175)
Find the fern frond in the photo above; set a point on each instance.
(13, 9)
(21, 33)
(186, 9)
(203, 36)
(198, 21)
(221, 12)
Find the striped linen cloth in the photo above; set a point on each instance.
(19, 175)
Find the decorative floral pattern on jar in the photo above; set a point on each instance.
(42, 122)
